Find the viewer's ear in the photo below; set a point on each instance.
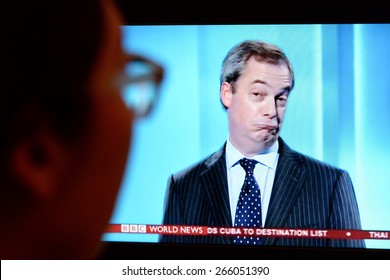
(226, 94)
(38, 161)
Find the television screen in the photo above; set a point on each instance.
(338, 112)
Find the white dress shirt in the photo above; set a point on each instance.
(264, 173)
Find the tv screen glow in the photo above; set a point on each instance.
(338, 111)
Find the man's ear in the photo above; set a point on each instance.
(38, 161)
(226, 94)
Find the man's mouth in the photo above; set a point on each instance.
(272, 128)
(267, 126)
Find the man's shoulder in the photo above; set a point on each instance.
(321, 164)
(196, 167)
(200, 166)
(309, 161)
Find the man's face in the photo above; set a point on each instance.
(257, 106)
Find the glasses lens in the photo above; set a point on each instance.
(140, 91)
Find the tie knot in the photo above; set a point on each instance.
(248, 164)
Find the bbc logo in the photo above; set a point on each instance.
(130, 228)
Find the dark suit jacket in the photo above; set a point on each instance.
(307, 193)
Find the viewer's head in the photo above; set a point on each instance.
(65, 128)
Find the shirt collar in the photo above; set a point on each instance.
(267, 157)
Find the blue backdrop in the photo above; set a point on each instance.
(339, 110)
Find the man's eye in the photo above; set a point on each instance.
(259, 93)
(281, 101)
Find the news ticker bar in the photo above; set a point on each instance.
(242, 231)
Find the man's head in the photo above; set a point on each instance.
(256, 80)
(65, 129)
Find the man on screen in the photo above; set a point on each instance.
(282, 188)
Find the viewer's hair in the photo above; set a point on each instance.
(48, 49)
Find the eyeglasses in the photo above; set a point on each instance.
(140, 86)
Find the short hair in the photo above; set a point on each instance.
(48, 51)
(238, 56)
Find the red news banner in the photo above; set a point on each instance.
(258, 232)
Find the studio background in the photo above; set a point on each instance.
(338, 112)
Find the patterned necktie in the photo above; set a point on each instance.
(248, 212)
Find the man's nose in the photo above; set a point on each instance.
(270, 108)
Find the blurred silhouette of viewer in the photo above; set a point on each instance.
(66, 124)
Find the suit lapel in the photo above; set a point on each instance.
(214, 181)
(289, 179)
